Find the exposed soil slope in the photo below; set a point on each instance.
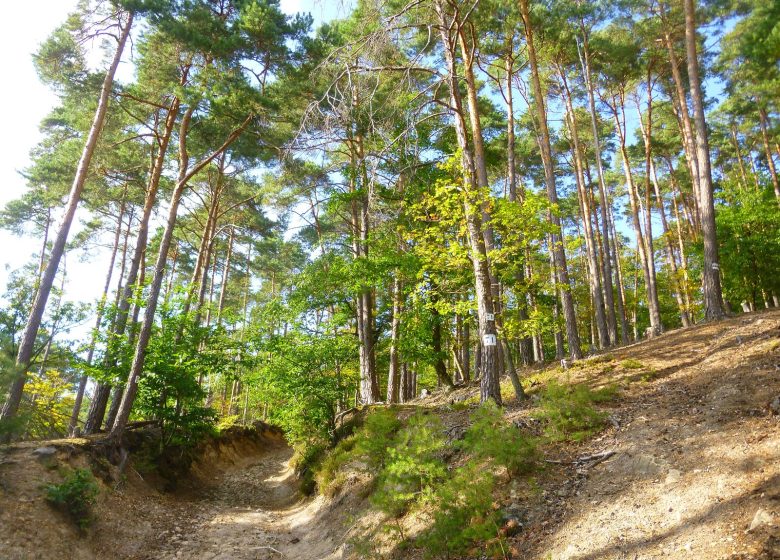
(697, 469)
(695, 474)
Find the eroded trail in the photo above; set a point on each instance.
(252, 511)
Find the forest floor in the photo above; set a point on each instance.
(696, 469)
(695, 474)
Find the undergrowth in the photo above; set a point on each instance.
(75, 495)
(415, 472)
(568, 412)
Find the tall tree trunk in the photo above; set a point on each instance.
(526, 343)
(621, 290)
(489, 382)
(647, 135)
(145, 332)
(394, 374)
(680, 106)
(590, 240)
(225, 274)
(713, 300)
(74, 416)
(559, 255)
(644, 244)
(27, 342)
(609, 297)
(679, 288)
(97, 407)
(763, 121)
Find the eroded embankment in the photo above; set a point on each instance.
(135, 517)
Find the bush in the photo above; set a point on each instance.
(569, 413)
(631, 364)
(75, 495)
(371, 443)
(492, 437)
(465, 514)
(375, 437)
(412, 467)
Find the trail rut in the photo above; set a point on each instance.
(252, 511)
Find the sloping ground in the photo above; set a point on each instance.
(696, 472)
(134, 517)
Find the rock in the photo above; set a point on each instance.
(512, 527)
(761, 518)
(424, 393)
(672, 476)
(774, 405)
(43, 452)
(643, 465)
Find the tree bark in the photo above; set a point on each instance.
(559, 255)
(713, 299)
(74, 417)
(394, 374)
(27, 343)
(489, 382)
(609, 298)
(590, 240)
(144, 334)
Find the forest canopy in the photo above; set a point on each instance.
(293, 219)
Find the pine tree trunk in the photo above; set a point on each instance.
(559, 255)
(394, 373)
(145, 332)
(609, 297)
(27, 342)
(590, 241)
(647, 131)
(488, 372)
(74, 417)
(763, 121)
(713, 300)
(645, 245)
(680, 105)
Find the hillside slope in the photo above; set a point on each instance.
(688, 467)
(696, 472)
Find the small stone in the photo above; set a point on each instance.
(774, 405)
(672, 476)
(45, 451)
(761, 518)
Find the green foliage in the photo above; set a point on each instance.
(370, 444)
(749, 239)
(490, 437)
(169, 390)
(631, 363)
(75, 495)
(568, 411)
(465, 514)
(376, 435)
(412, 466)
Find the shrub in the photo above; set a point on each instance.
(75, 495)
(569, 412)
(412, 467)
(371, 443)
(492, 437)
(465, 514)
(328, 476)
(376, 435)
(631, 364)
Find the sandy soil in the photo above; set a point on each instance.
(252, 511)
(696, 472)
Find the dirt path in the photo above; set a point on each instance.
(697, 469)
(253, 511)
